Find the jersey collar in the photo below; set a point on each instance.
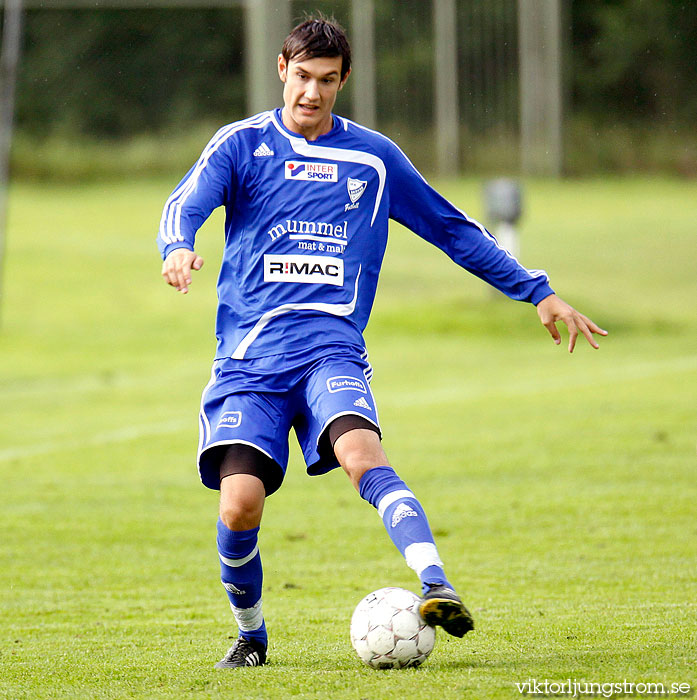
(337, 126)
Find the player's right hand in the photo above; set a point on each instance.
(176, 269)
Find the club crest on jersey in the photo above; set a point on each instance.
(230, 419)
(335, 384)
(316, 172)
(355, 189)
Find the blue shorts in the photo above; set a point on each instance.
(257, 401)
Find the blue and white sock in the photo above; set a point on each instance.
(405, 522)
(242, 576)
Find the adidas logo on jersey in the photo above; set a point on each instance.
(263, 150)
(362, 403)
(402, 511)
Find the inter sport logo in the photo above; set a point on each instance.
(317, 172)
(306, 269)
(335, 384)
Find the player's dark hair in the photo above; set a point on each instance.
(318, 36)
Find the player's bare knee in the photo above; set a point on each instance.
(241, 515)
(241, 501)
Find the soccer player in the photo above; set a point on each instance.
(307, 197)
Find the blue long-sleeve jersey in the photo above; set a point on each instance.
(306, 230)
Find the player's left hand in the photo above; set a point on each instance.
(552, 309)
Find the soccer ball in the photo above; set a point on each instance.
(388, 632)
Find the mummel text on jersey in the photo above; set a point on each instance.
(306, 231)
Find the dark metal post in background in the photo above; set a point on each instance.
(267, 23)
(363, 50)
(9, 60)
(447, 119)
(540, 50)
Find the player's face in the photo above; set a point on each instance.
(309, 93)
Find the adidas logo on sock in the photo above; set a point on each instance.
(362, 403)
(402, 511)
(263, 150)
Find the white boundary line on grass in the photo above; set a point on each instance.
(642, 370)
(533, 386)
(126, 434)
(93, 382)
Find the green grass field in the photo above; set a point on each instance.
(562, 489)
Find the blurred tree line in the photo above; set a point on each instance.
(120, 72)
(109, 74)
(635, 60)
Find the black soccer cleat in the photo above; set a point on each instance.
(442, 606)
(244, 652)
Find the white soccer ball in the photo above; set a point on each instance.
(388, 632)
